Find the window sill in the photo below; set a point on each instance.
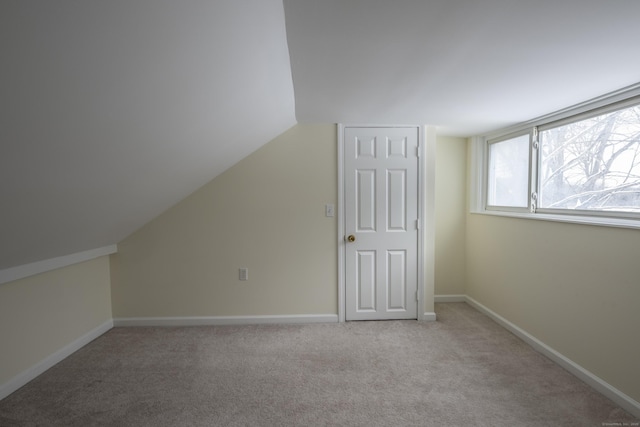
(572, 219)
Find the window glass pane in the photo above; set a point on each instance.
(508, 182)
(592, 164)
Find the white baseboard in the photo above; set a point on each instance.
(428, 316)
(620, 398)
(224, 320)
(24, 377)
(449, 298)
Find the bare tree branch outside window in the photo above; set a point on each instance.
(592, 164)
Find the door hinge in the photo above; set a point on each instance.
(417, 224)
(536, 138)
(416, 295)
(418, 151)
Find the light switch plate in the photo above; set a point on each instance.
(329, 210)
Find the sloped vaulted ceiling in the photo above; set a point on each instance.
(112, 111)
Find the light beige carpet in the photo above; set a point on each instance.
(463, 370)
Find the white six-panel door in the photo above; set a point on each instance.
(381, 213)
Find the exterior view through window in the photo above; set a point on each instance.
(592, 164)
(588, 164)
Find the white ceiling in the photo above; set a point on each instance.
(466, 66)
(113, 111)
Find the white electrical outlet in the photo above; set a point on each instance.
(244, 274)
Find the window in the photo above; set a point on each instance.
(508, 172)
(582, 165)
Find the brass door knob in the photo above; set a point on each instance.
(351, 238)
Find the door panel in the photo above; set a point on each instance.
(381, 210)
(397, 197)
(366, 201)
(366, 280)
(397, 280)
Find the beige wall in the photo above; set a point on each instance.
(41, 314)
(451, 173)
(574, 287)
(266, 213)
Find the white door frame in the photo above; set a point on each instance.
(426, 211)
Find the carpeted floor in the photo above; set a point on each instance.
(463, 370)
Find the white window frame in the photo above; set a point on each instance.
(530, 171)
(479, 164)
